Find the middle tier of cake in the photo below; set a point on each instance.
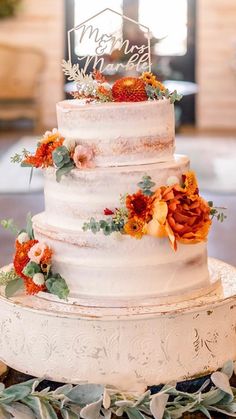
(117, 269)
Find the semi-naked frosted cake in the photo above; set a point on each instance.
(128, 140)
(115, 270)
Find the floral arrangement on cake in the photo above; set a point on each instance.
(32, 265)
(176, 211)
(94, 87)
(53, 150)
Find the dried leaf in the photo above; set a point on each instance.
(158, 404)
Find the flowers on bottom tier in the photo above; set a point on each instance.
(175, 211)
(32, 266)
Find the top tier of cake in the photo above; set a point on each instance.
(120, 134)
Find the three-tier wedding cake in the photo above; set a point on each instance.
(118, 288)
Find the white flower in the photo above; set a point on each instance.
(69, 143)
(36, 252)
(23, 238)
(172, 180)
(38, 279)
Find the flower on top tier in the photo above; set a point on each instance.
(180, 213)
(129, 89)
(139, 205)
(83, 157)
(150, 79)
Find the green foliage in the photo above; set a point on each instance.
(107, 226)
(61, 156)
(217, 212)
(64, 170)
(13, 286)
(57, 285)
(146, 185)
(154, 93)
(61, 159)
(93, 401)
(18, 158)
(31, 269)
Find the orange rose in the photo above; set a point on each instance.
(180, 214)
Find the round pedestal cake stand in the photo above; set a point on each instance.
(130, 347)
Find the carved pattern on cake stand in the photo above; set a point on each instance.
(128, 347)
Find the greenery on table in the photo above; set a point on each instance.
(94, 401)
(8, 8)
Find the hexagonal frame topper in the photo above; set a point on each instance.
(138, 56)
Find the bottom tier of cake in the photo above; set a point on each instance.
(130, 348)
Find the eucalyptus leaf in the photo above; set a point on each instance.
(63, 390)
(228, 369)
(92, 410)
(158, 405)
(19, 411)
(31, 269)
(86, 393)
(221, 381)
(57, 285)
(212, 397)
(64, 170)
(14, 286)
(14, 393)
(41, 408)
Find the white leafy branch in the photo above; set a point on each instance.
(73, 72)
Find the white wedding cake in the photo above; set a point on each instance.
(111, 284)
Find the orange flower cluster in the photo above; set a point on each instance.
(21, 259)
(129, 89)
(180, 213)
(43, 154)
(176, 212)
(150, 79)
(139, 213)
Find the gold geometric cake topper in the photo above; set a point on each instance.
(107, 47)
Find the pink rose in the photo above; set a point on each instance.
(36, 252)
(83, 157)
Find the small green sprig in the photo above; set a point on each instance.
(8, 224)
(18, 158)
(217, 212)
(146, 185)
(109, 226)
(156, 93)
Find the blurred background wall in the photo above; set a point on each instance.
(40, 24)
(216, 64)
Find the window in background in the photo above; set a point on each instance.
(84, 9)
(167, 20)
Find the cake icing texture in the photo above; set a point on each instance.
(115, 269)
(122, 214)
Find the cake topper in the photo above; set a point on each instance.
(130, 57)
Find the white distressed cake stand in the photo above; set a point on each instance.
(130, 348)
